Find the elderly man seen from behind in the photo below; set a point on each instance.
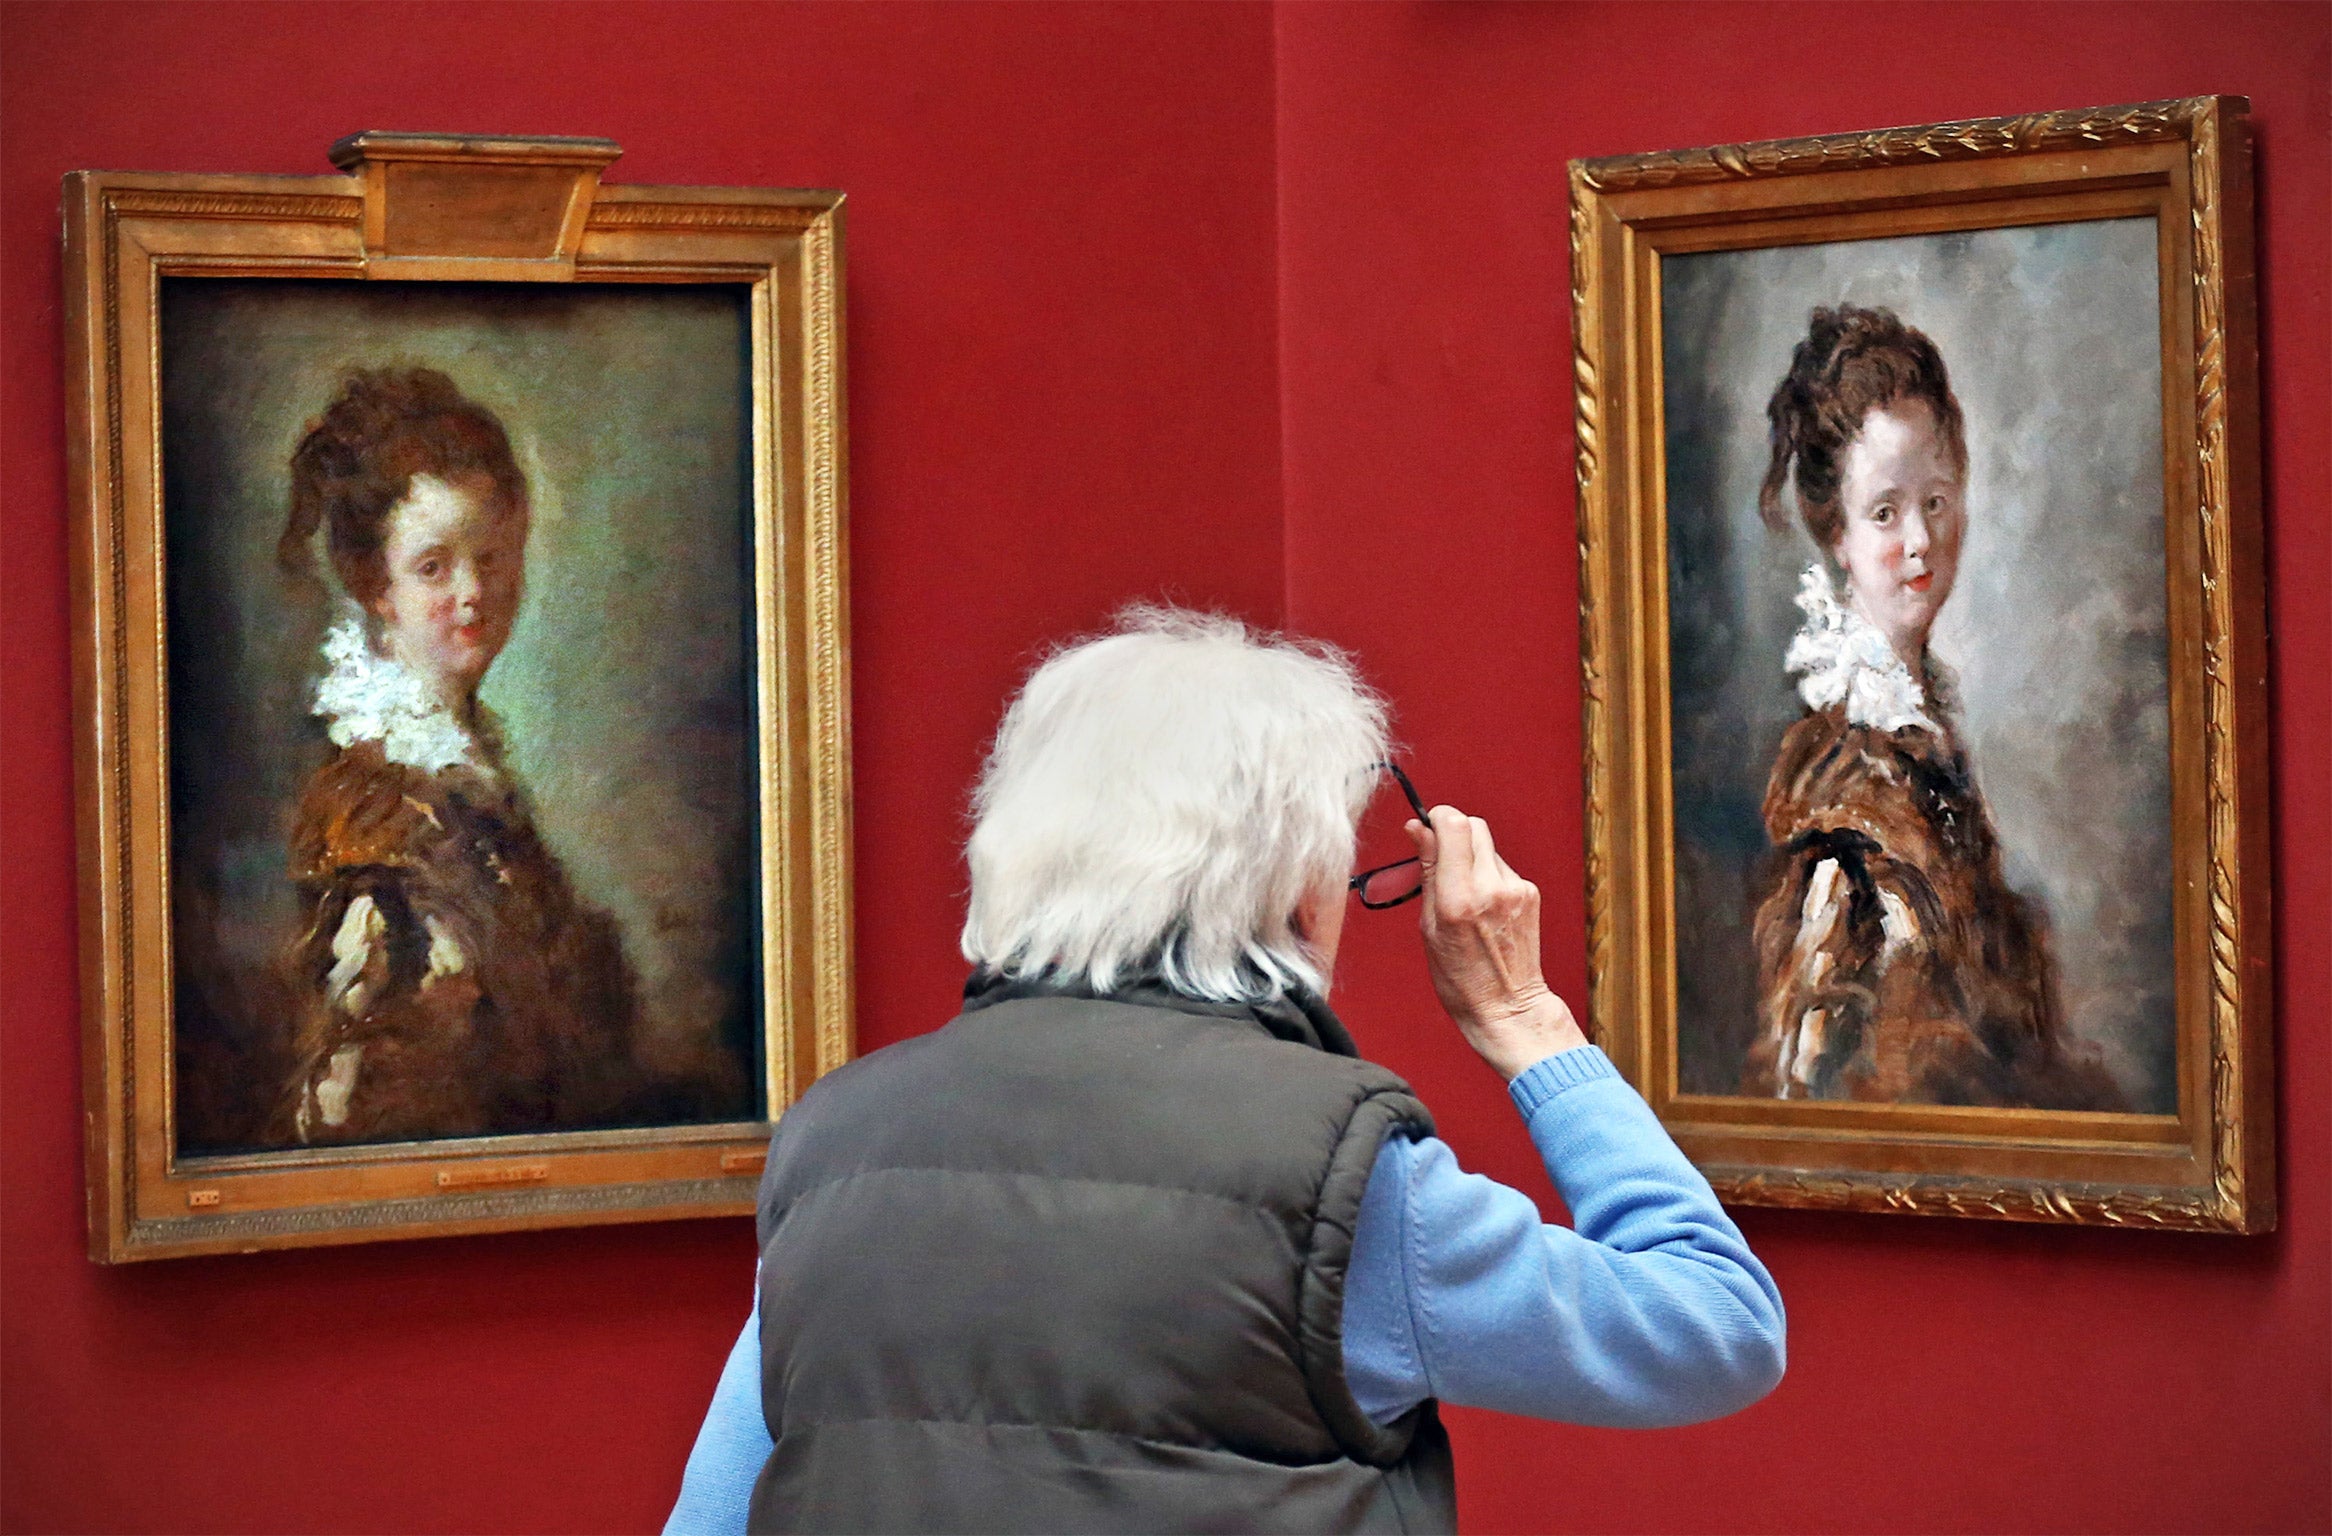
(1138, 1242)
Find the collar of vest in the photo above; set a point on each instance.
(1299, 1017)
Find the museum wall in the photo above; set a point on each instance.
(1943, 1375)
(1103, 260)
(1063, 395)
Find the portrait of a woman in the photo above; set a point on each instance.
(449, 980)
(1895, 961)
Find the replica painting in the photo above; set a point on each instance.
(468, 851)
(1925, 663)
(1950, 882)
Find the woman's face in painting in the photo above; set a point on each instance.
(1902, 491)
(455, 562)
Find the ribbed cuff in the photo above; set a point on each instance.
(1558, 1074)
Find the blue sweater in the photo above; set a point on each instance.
(1650, 1311)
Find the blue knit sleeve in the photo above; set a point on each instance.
(1380, 1341)
(731, 1448)
(1651, 1311)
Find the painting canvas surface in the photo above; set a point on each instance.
(2055, 633)
(598, 851)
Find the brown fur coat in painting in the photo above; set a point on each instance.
(1895, 962)
(452, 982)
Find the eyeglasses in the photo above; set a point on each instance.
(1388, 885)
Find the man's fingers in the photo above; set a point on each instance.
(1422, 839)
(1453, 850)
(1467, 875)
(1486, 859)
(1489, 864)
(1496, 876)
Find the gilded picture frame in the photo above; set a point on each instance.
(659, 766)
(2111, 813)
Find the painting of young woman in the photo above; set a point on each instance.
(1920, 670)
(464, 837)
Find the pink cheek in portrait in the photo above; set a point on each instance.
(1873, 560)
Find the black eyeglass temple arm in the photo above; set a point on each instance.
(1408, 790)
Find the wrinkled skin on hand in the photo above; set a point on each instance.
(1481, 923)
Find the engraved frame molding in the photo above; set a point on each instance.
(422, 208)
(2187, 165)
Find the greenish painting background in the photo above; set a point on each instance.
(626, 692)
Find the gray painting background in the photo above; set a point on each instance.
(2056, 625)
(626, 691)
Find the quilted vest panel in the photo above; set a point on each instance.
(1078, 1264)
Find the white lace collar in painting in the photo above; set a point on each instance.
(1840, 657)
(365, 696)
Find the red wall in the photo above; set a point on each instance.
(1102, 260)
(1063, 395)
(1943, 1375)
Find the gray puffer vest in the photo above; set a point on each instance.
(1077, 1264)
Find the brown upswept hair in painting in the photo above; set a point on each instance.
(358, 460)
(1852, 361)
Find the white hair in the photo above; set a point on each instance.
(1158, 801)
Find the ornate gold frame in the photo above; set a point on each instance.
(421, 208)
(2187, 165)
